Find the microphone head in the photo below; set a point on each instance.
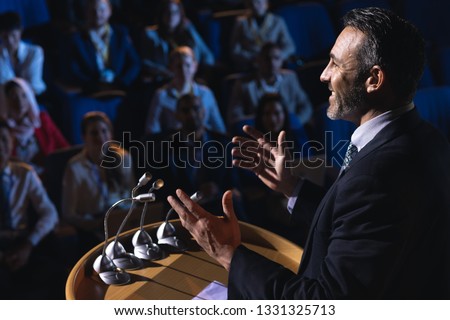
(196, 197)
(158, 184)
(145, 197)
(146, 177)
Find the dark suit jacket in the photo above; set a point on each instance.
(123, 60)
(380, 232)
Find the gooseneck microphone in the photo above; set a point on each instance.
(144, 247)
(114, 258)
(166, 232)
(146, 177)
(104, 265)
(116, 250)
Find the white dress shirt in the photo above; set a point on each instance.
(29, 66)
(24, 187)
(85, 194)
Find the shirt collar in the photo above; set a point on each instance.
(21, 51)
(369, 129)
(7, 171)
(174, 92)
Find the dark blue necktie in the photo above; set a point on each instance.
(352, 150)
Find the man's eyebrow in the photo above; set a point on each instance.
(333, 57)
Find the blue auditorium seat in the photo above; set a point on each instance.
(433, 104)
(55, 165)
(344, 6)
(216, 29)
(430, 17)
(441, 65)
(310, 27)
(76, 105)
(32, 12)
(427, 79)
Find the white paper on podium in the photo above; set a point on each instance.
(213, 291)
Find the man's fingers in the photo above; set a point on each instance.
(252, 132)
(191, 206)
(283, 145)
(227, 205)
(245, 155)
(244, 141)
(177, 206)
(247, 165)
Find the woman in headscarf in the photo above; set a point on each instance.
(35, 134)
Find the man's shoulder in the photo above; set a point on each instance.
(404, 145)
(119, 28)
(77, 160)
(19, 167)
(163, 91)
(202, 90)
(288, 74)
(242, 19)
(248, 80)
(275, 18)
(31, 48)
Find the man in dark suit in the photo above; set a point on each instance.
(381, 230)
(102, 56)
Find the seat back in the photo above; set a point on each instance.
(345, 6)
(433, 104)
(311, 29)
(54, 172)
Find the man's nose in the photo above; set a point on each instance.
(325, 75)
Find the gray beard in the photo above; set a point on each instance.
(348, 104)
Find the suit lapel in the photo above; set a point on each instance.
(400, 125)
(113, 49)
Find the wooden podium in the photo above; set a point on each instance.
(177, 275)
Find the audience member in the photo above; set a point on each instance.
(256, 28)
(102, 56)
(196, 158)
(269, 78)
(94, 179)
(19, 59)
(27, 216)
(161, 114)
(173, 30)
(272, 117)
(388, 206)
(194, 151)
(268, 206)
(35, 134)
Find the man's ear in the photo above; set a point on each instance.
(376, 79)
